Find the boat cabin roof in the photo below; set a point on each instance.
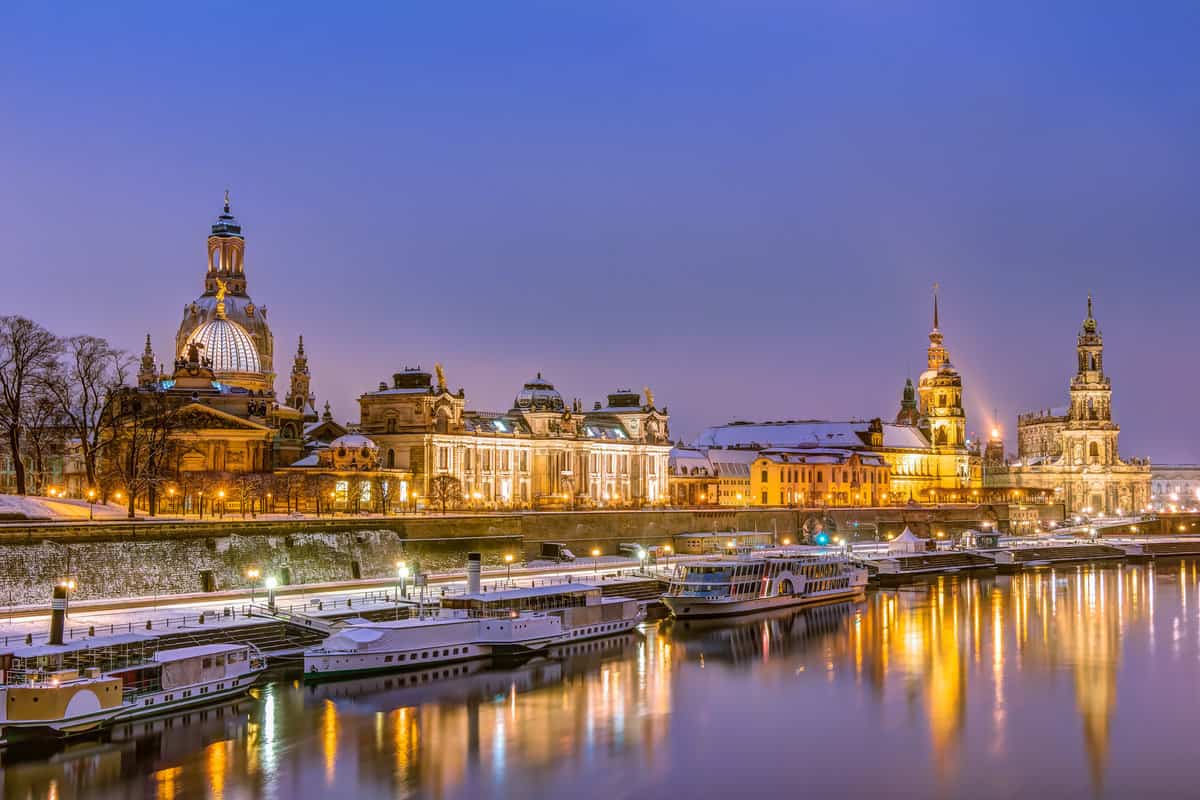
(181, 653)
(90, 643)
(509, 595)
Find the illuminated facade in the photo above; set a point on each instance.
(540, 453)
(818, 477)
(925, 452)
(1072, 452)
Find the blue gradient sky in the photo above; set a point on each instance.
(742, 205)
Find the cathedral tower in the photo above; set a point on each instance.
(940, 391)
(1092, 435)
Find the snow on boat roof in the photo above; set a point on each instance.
(535, 591)
(90, 643)
(180, 653)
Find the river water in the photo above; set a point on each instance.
(1079, 682)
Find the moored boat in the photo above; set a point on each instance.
(747, 584)
(55, 690)
(474, 625)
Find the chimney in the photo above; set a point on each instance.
(58, 613)
(473, 567)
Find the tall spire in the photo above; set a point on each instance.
(935, 306)
(147, 374)
(226, 201)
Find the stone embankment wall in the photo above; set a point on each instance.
(149, 558)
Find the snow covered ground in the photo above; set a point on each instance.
(56, 508)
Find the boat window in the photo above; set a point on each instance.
(206, 663)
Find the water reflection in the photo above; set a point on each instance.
(1052, 681)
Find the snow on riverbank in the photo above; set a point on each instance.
(54, 508)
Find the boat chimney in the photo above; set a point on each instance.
(58, 613)
(473, 567)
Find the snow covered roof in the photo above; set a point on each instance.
(352, 441)
(806, 433)
(535, 591)
(310, 460)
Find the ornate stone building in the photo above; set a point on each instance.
(924, 454)
(539, 453)
(1072, 452)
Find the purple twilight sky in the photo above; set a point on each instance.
(741, 205)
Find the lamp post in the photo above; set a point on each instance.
(91, 504)
(402, 575)
(667, 550)
(641, 556)
(252, 576)
(171, 495)
(595, 560)
(508, 559)
(271, 583)
(221, 497)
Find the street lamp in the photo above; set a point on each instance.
(402, 574)
(595, 560)
(221, 497)
(91, 504)
(641, 556)
(252, 574)
(271, 583)
(667, 550)
(401, 586)
(508, 559)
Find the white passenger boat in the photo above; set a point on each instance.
(474, 625)
(745, 584)
(76, 687)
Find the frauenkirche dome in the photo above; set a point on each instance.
(227, 345)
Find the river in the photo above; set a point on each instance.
(1078, 682)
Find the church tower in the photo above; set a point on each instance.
(939, 390)
(1092, 435)
(908, 414)
(226, 254)
(299, 396)
(147, 374)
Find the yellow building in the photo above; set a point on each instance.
(818, 477)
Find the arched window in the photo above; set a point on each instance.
(1094, 452)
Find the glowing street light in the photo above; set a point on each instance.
(91, 494)
(271, 583)
(595, 560)
(402, 572)
(508, 559)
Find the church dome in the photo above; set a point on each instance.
(538, 394)
(226, 344)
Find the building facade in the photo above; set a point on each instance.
(1072, 452)
(1174, 486)
(924, 456)
(541, 453)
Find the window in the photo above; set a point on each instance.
(764, 476)
(764, 499)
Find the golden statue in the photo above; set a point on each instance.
(221, 289)
(649, 396)
(441, 377)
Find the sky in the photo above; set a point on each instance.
(742, 205)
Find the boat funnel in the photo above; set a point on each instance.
(58, 613)
(474, 563)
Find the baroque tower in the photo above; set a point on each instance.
(299, 396)
(1092, 433)
(940, 391)
(147, 374)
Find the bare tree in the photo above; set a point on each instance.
(146, 428)
(89, 375)
(43, 433)
(383, 492)
(445, 490)
(27, 354)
